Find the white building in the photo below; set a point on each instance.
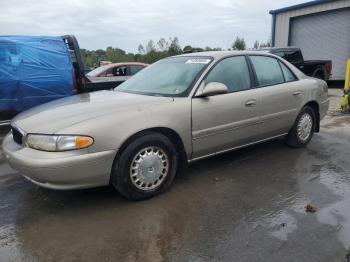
(320, 28)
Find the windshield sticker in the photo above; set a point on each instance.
(198, 61)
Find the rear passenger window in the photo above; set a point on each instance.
(134, 69)
(233, 72)
(267, 69)
(288, 75)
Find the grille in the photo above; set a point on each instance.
(17, 135)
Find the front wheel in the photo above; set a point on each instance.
(146, 167)
(303, 129)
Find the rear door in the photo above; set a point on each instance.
(281, 93)
(229, 120)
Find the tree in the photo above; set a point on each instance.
(239, 44)
(208, 48)
(256, 45)
(150, 52)
(141, 49)
(188, 49)
(267, 44)
(174, 48)
(162, 44)
(150, 47)
(100, 52)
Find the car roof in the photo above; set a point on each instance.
(221, 54)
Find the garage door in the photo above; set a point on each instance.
(324, 36)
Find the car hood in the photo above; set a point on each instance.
(54, 116)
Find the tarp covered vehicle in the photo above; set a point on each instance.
(37, 69)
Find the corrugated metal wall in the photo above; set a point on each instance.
(316, 31)
(324, 36)
(283, 19)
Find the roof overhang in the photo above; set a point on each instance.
(298, 6)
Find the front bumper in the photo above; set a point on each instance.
(60, 170)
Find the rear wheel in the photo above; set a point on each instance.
(303, 129)
(146, 167)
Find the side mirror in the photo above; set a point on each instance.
(211, 89)
(109, 75)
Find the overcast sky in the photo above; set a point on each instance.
(126, 24)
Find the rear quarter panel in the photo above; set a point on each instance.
(315, 90)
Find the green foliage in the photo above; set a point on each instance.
(267, 44)
(151, 52)
(174, 48)
(150, 47)
(163, 45)
(141, 49)
(239, 44)
(256, 45)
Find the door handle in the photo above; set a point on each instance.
(297, 93)
(250, 103)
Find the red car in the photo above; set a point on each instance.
(115, 72)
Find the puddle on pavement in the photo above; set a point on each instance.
(337, 122)
(246, 204)
(337, 214)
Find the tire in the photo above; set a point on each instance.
(302, 130)
(146, 167)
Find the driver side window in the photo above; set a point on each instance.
(233, 72)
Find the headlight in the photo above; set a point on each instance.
(58, 143)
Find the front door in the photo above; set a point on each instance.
(229, 120)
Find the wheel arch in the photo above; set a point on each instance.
(316, 108)
(171, 134)
(319, 71)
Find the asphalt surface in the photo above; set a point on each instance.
(248, 205)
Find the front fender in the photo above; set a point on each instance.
(112, 130)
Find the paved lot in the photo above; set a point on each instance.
(248, 205)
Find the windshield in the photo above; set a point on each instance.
(98, 70)
(167, 77)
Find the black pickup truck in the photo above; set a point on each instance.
(316, 68)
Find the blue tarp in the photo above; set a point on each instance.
(33, 70)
